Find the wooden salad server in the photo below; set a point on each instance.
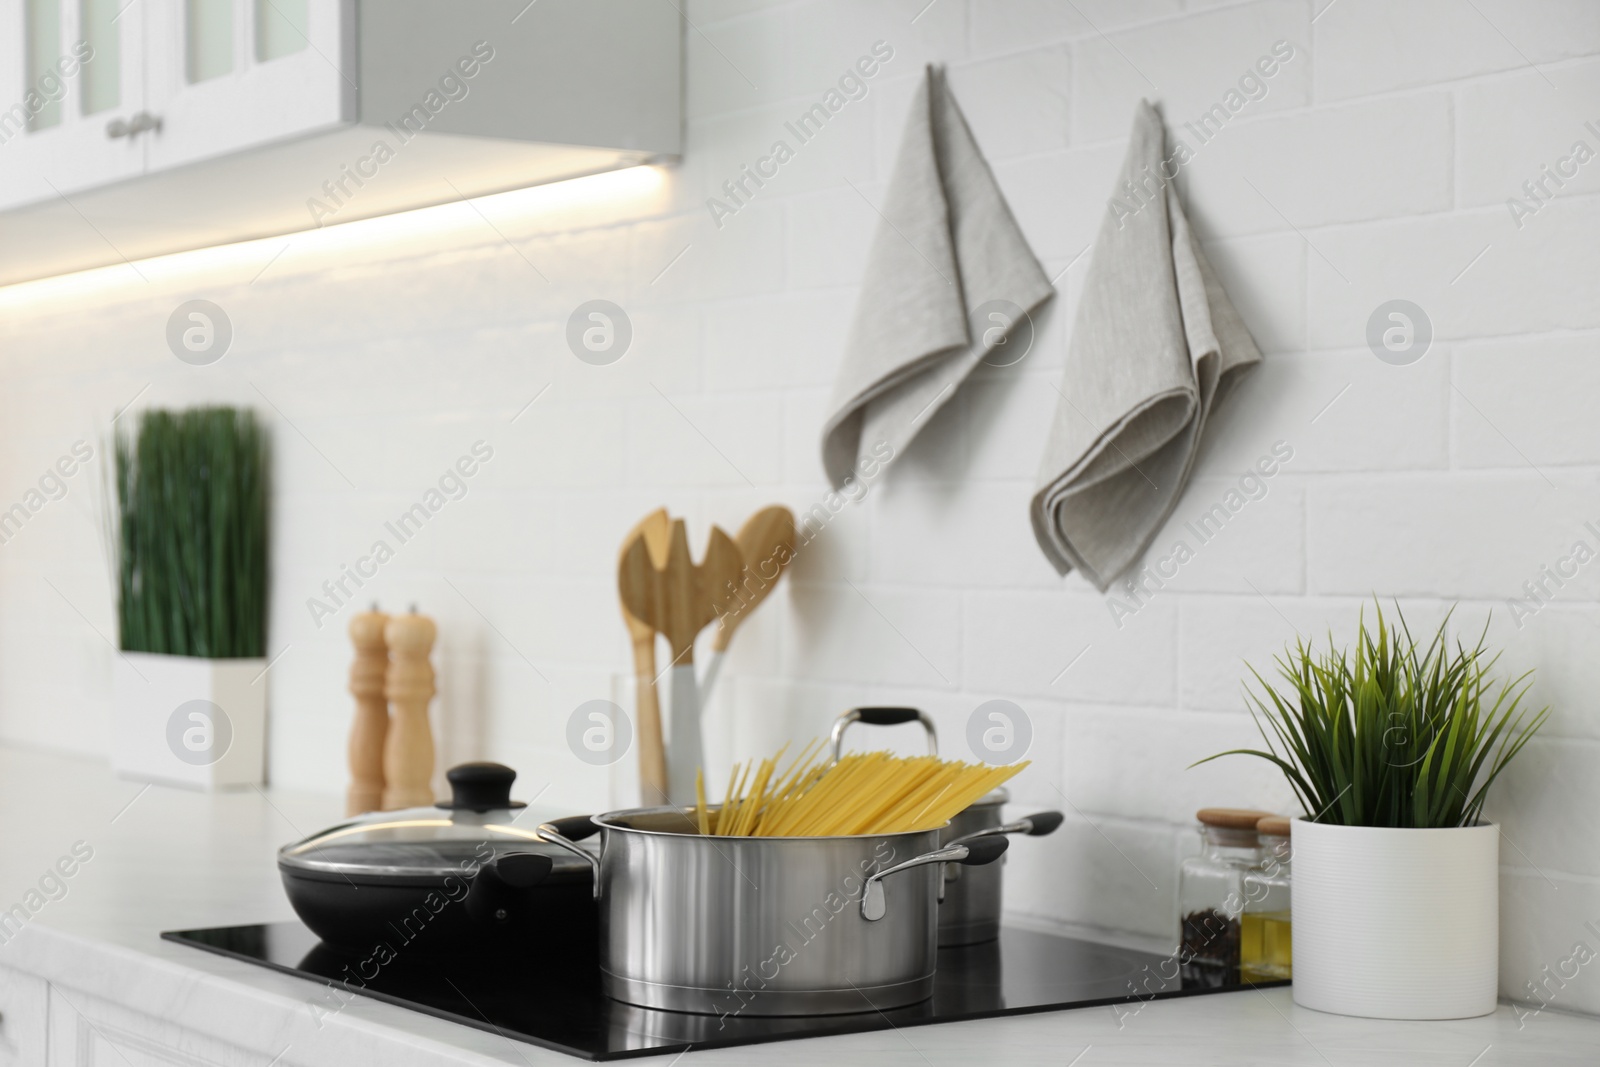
(682, 599)
(767, 545)
(635, 581)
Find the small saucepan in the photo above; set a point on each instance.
(969, 912)
(462, 876)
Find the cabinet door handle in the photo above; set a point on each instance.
(132, 127)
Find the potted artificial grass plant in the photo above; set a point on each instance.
(1391, 748)
(189, 551)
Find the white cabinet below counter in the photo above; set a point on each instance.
(133, 128)
(24, 1019)
(163, 1018)
(85, 1031)
(43, 1025)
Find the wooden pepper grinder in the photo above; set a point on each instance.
(371, 724)
(408, 753)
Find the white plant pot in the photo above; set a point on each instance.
(183, 720)
(1395, 923)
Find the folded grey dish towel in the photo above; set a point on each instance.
(946, 245)
(1155, 344)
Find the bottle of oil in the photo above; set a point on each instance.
(1266, 943)
(1211, 897)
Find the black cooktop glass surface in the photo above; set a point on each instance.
(556, 1002)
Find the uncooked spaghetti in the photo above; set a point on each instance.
(863, 793)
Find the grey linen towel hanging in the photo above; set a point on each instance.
(946, 245)
(1155, 344)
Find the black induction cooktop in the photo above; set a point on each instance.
(555, 1002)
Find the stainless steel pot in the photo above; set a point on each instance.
(969, 912)
(732, 926)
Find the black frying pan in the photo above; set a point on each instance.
(479, 892)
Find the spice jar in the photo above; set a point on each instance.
(1211, 896)
(1266, 939)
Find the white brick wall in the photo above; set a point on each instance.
(1376, 167)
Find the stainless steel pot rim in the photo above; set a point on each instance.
(610, 821)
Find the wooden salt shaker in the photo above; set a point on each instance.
(408, 754)
(371, 724)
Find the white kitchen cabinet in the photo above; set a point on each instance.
(85, 1031)
(53, 140)
(153, 85)
(201, 122)
(24, 1005)
(247, 100)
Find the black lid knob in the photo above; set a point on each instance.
(480, 787)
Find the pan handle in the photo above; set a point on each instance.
(984, 850)
(563, 832)
(500, 894)
(882, 717)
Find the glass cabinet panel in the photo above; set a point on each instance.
(102, 70)
(42, 95)
(280, 28)
(208, 32)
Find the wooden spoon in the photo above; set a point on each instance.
(767, 544)
(681, 601)
(638, 574)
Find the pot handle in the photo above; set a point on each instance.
(882, 717)
(984, 850)
(1038, 824)
(563, 832)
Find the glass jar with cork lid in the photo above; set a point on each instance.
(1211, 896)
(1266, 940)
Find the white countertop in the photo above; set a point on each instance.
(168, 859)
